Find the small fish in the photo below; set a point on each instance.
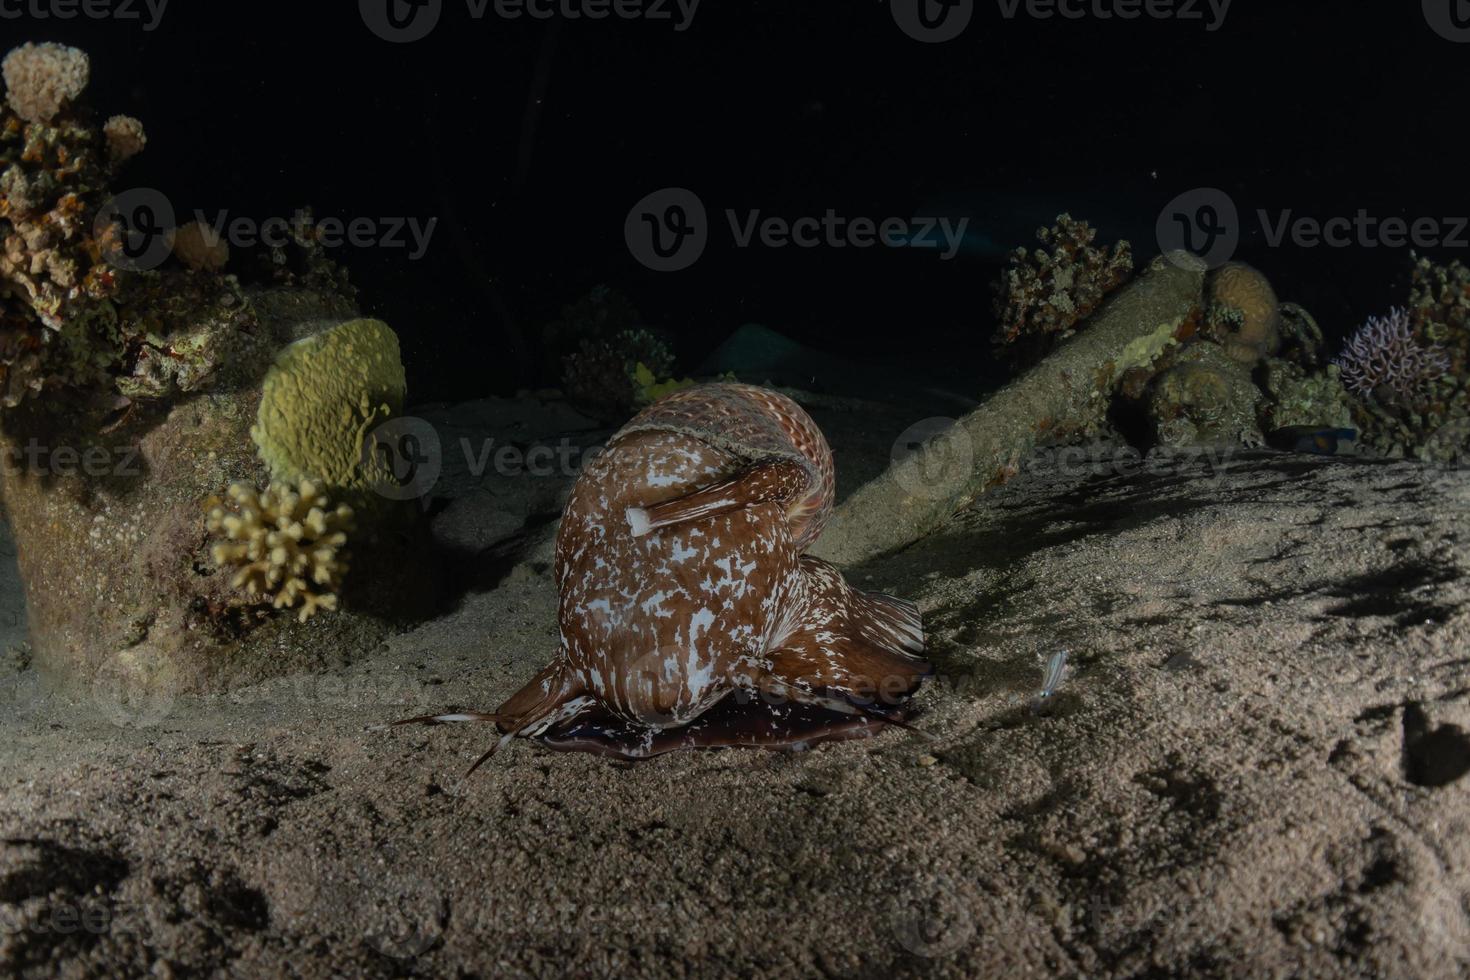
(1056, 672)
(1309, 439)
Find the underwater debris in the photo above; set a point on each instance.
(41, 78)
(1051, 682)
(1047, 291)
(287, 544)
(1066, 395)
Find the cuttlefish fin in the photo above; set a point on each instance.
(780, 480)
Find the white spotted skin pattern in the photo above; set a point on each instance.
(658, 627)
(756, 418)
(681, 579)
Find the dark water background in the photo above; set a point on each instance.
(530, 140)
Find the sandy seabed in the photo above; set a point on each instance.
(1257, 767)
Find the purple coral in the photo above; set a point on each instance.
(1384, 354)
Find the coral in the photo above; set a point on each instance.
(1206, 399)
(125, 138)
(59, 321)
(286, 544)
(600, 315)
(1243, 315)
(651, 389)
(1047, 291)
(1419, 405)
(603, 375)
(200, 247)
(321, 400)
(1384, 354)
(40, 78)
(1297, 397)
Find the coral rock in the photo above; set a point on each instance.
(200, 247)
(39, 78)
(125, 138)
(286, 544)
(1244, 312)
(1047, 291)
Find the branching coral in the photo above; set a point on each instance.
(1047, 291)
(286, 543)
(1384, 354)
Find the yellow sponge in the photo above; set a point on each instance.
(322, 398)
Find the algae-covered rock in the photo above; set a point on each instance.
(1297, 397)
(1068, 394)
(111, 526)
